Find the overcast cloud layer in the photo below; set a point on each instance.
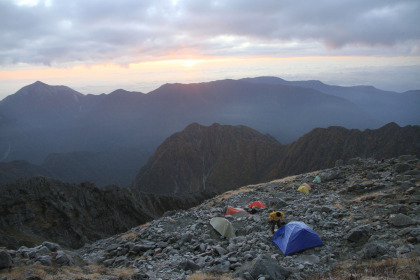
(97, 31)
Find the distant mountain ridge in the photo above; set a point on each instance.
(220, 158)
(387, 106)
(321, 147)
(40, 120)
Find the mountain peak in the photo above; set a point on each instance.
(41, 89)
(36, 86)
(40, 101)
(39, 83)
(199, 156)
(120, 91)
(123, 92)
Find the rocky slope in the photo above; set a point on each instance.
(365, 212)
(36, 209)
(219, 158)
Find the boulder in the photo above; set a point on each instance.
(63, 259)
(220, 250)
(402, 167)
(142, 247)
(359, 235)
(69, 258)
(400, 220)
(188, 265)
(330, 176)
(45, 260)
(398, 209)
(53, 247)
(5, 260)
(186, 237)
(42, 250)
(264, 266)
(373, 250)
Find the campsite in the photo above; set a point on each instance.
(350, 210)
(365, 214)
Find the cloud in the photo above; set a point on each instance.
(91, 32)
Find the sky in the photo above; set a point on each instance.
(98, 46)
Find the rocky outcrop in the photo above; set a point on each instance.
(42, 208)
(5, 260)
(356, 226)
(37, 209)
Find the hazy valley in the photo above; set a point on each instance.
(106, 139)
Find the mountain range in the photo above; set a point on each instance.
(220, 158)
(107, 138)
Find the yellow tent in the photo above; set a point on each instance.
(304, 188)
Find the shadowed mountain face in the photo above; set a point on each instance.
(38, 209)
(220, 158)
(322, 147)
(214, 159)
(122, 129)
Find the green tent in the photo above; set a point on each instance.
(317, 179)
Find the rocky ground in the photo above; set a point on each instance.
(363, 211)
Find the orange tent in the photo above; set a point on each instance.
(258, 204)
(235, 211)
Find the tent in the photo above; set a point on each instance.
(294, 237)
(223, 226)
(317, 179)
(258, 204)
(304, 188)
(236, 212)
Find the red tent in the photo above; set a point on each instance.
(235, 211)
(258, 204)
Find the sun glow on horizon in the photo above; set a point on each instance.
(145, 76)
(190, 63)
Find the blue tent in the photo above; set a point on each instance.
(295, 237)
